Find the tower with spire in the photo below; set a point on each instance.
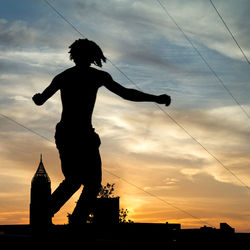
(40, 199)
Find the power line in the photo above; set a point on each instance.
(211, 154)
(25, 127)
(203, 58)
(226, 26)
(62, 16)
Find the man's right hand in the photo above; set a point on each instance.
(37, 98)
(164, 99)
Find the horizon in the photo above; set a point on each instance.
(140, 144)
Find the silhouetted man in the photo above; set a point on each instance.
(76, 140)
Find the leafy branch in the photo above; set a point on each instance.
(107, 191)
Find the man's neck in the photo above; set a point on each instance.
(82, 66)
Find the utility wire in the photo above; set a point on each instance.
(211, 154)
(25, 127)
(65, 19)
(226, 26)
(203, 58)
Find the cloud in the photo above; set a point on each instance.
(16, 34)
(20, 35)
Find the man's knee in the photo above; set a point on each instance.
(70, 183)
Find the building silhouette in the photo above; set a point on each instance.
(107, 211)
(40, 199)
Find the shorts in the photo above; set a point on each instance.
(79, 153)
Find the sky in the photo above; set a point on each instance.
(141, 144)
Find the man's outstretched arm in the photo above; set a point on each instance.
(41, 98)
(133, 94)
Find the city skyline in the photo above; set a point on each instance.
(139, 142)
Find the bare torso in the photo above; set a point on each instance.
(78, 94)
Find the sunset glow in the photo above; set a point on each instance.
(140, 144)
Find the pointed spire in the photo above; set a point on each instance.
(41, 172)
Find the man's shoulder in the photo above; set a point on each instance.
(64, 72)
(100, 75)
(98, 71)
(67, 71)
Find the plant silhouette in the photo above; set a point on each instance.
(107, 191)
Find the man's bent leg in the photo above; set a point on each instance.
(90, 175)
(62, 194)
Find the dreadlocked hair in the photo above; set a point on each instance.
(86, 50)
